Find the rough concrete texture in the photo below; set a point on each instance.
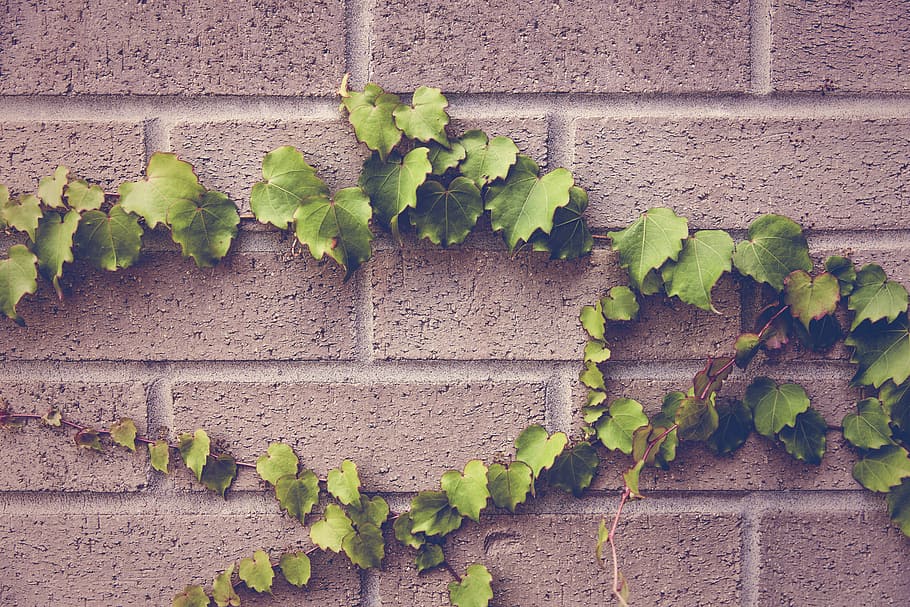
(840, 46)
(99, 560)
(832, 559)
(724, 172)
(549, 560)
(252, 306)
(174, 48)
(529, 312)
(107, 153)
(402, 437)
(544, 46)
(36, 458)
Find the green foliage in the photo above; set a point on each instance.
(219, 472)
(811, 299)
(446, 215)
(365, 547)
(278, 461)
(288, 183)
(295, 567)
(444, 158)
(882, 352)
(705, 256)
(371, 113)
(54, 245)
(570, 237)
(159, 455)
(697, 418)
(652, 239)
(868, 429)
(369, 510)
(89, 439)
(574, 469)
(774, 407)
(124, 433)
(329, 532)
(510, 485)
(615, 429)
(339, 228)
(882, 469)
(432, 514)
(192, 596)
(875, 297)
(537, 450)
(898, 500)
(223, 590)
(392, 183)
(805, 440)
(468, 492)
(474, 588)
(204, 229)
(18, 277)
(298, 495)
(194, 449)
(109, 240)
(620, 304)
(776, 247)
(842, 269)
(50, 189)
(344, 483)
(746, 347)
(592, 376)
(487, 159)
(23, 215)
(596, 352)
(257, 572)
(428, 557)
(80, 196)
(426, 121)
(592, 319)
(734, 425)
(168, 181)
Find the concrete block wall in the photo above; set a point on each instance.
(721, 109)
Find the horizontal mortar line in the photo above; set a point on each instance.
(204, 503)
(462, 105)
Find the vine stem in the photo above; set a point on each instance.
(454, 573)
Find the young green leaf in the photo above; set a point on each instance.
(223, 590)
(295, 567)
(80, 196)
(467, 492)
(426, 121)
(192, 596)
(705, 256)
(344, 483)
(842, 269)
(160, 455)
(109, 240)
(329, 532)
(204, 229)
(811, 299)
(18, 277)
(288, 182)
(373, 511)
(53, 418)
(592, 320)
(510, 486)
(402, 528)
(194, 449)
(339, 228)
(219, 473)
(896, 403)
(869, 428)
(875, 297)
(538, 451)
(734, 425)
(168, 181)
(298, 495)
(620, 304)
(474, 588)
(257, 572)
(446, 215)
(442, 158)
(697, 418)
(371, 113)
(486, 159)
(428, 557)
(570, 237)
(882, 469)
(746, 347)
(89, 439)
(54, 245)
(23, 215)
(806, 439)
(574, 469)
(50, 189)
(656, 236)
(279, 461)
(592, 377)
(882, 352)
(774, 407)
(432, 514)
(124, 433)
(525, 202)
(776, 247)
(898, 500)
(596, 352)
(632, 477)
(365, 547)
(615, 430)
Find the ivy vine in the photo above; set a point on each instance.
(421, 176)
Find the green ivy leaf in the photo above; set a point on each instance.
(432, 514)
(842, 269)
(223, 590)
(869, 428)
(329, 532)
(53, 418)
(403, 531)
(486, 159)
(806, 439)
(882, 352)
(811, 299)
(168, 181)
(570, 237)
(632, 477)
(18, 277)
(592, 377)
(882, 469)
(746, 347)
(392, 183)
(574, 469)
(776, 247)
(109, 240)
(734, 424)
(124, 433)
(288, 182)
(89, 439)
(160, 455)
(525, 202)
(620, 304)
(896, 403)
(615, 430)
(371, 113)
(474, 588)
(365, 547)
(257, 572)
(656, 236)
(596, 352)
(899, 506)
(442, 158)
(339, 228)
(875, 297)
(219, 473)
(23, 215)
(295, 567)
(697, 418)
(279, 461)
(192, 596)
(538, 451)
(446, 215)
(426, 121)
(467, 492)
(592, 320)
(344, 483)
(428, 557)
(80, 196)
(510, 486)
(705, 256)
(298, 495)
(194, 449)
(204, 230)
(50, 189)
(373, 511)
(54, 245)
(774, 407)
(664, 450)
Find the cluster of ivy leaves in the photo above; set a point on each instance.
(660, 254)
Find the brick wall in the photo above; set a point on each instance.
(722, 109)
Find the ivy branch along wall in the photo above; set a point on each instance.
(399, 368)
